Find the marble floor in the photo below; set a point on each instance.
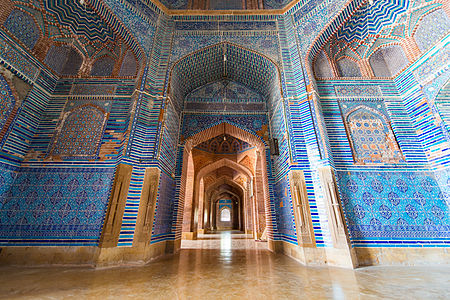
(225, 266)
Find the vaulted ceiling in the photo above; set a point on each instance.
(224, 4)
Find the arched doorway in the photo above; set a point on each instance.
(204, 172)
(223, 96)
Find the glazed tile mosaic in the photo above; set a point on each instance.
(358, 87)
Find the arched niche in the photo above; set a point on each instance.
(129, 65)
(388, 61)
(65, 60)
(80, 132)
(322, 67)
(23, 27)
(225, 61)
(371, 137)
(103, 67)
(431, 29)
(347, 67)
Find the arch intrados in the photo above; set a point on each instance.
(223, 128)
(225, 179)
(219, 192)
(277, 68)
(373, 111)
(214, 81)
(224, 162)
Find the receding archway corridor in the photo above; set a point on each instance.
(224, 265)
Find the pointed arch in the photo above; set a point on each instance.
(370, 136)
(248, 67)
(80, 132)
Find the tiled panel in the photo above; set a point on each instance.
(7, 175)
(397, 207)
(55, 206)
(7, 102)
(22, 26)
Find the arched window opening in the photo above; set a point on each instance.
(371, 137)
(225, 215)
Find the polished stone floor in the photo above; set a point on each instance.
(225, 266)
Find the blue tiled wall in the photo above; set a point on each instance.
(55, 206)
(389, 208)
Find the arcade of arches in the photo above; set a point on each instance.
(267, 136)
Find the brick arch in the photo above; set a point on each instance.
(192, 203)
(224, 162)
(189, 190)
(226, 180)
(246, 209)
(226, 128)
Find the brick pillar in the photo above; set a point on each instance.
(201, 207)
(188, 214)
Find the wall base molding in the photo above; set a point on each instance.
(84, 255)
(406, 256)
(310, 256)
(403, 256)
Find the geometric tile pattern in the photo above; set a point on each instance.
(385, 23)
(224, 144)
(55, 206)
(7, 101)
(81, 132)
(226, 5)
(68, 23)
(228, 61)
(387, 203)
(22, 26)
(432, 29)
(386, 206)
(224, 90)
(371, 135)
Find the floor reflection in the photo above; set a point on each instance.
(225, 273)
